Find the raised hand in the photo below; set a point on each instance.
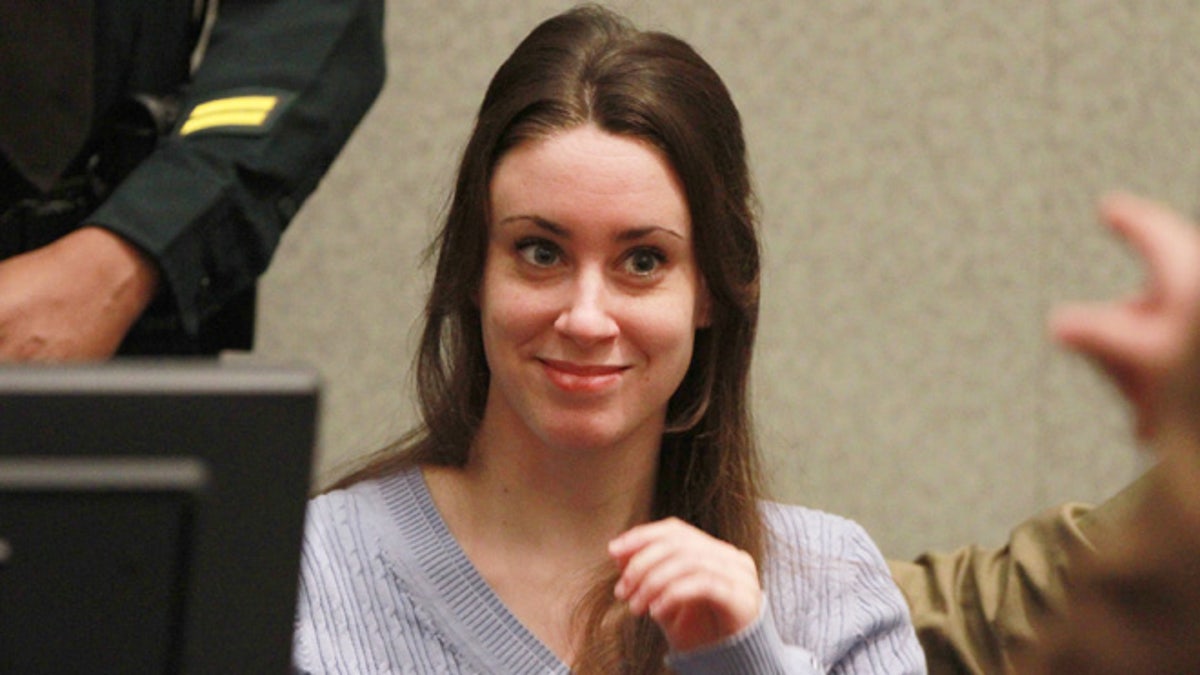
(1144, 341)
(1135, 604)
(697, 588)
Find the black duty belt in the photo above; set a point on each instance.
(29, 220)
(33, 222)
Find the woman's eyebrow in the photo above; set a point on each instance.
(548, 225)
(643, 232)
(632, 234)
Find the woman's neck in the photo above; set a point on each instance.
(542, 498)
(536, 521)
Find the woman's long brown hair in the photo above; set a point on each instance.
(589, 65)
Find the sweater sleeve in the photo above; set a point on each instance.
(757, 649)
(282, 85)
(832, 598)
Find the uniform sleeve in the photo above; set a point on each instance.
(979, 610)
(1133, 607)
(282, 85)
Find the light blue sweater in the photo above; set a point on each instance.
(385, 588)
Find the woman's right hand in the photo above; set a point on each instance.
(698, 589)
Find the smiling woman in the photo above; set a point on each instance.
(590, 296)
(582, 494)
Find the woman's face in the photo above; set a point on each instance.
(590, 296)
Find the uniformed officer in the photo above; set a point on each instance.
(152, 153)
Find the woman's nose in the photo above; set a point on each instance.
(587, 316)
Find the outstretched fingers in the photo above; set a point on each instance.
(1139, 340)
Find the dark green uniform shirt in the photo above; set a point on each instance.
(281, 86)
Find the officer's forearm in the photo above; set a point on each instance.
(129, 276)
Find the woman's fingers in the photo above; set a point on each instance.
(698, 589)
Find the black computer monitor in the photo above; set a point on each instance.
(151, 515)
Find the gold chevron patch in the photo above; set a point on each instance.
(237, 114)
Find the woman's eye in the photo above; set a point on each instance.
(644, 261)
(538, 252)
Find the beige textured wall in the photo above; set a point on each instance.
(928, 170)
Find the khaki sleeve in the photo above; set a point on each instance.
(977, 609)
(1134, 605)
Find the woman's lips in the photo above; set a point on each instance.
(578, 377)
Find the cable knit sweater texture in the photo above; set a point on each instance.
(385, 588)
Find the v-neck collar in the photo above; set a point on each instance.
(463, 599)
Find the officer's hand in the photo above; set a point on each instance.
(74, 299)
